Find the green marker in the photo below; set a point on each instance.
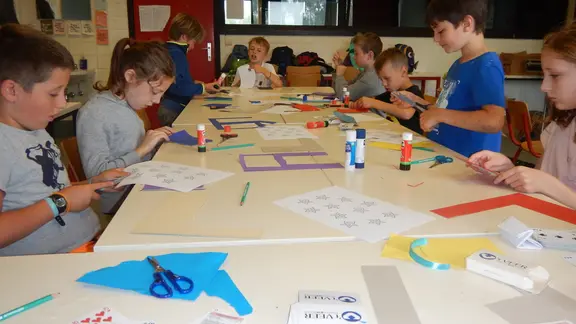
(245, 193)
(26, 307)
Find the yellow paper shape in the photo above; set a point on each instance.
(453, 251)
(397, 147)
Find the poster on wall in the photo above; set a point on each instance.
(101, 19)
(153, 18)
(100, 4)
(101, 36)
(59, 27)
(74, 28)
(46, 26)
(87, 28)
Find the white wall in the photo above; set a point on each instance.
(98, 56)
(431, 57)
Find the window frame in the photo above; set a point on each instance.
(342, 29)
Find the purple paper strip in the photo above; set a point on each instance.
(284, 166)
(155, 188)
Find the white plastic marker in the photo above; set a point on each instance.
(360, 148)
(350, 164)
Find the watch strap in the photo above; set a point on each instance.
(55, 212)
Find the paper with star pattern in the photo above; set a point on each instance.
(364, 217)
(173, 176)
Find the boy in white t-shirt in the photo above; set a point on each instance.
(262, 74)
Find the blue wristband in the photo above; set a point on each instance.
(52, 206)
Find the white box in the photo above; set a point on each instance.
(529, 278)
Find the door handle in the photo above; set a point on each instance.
(208, 49)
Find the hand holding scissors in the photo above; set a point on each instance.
(174, 279)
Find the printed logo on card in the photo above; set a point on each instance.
(351, 316)
(487, 256)
(347, 299)
(348, 316)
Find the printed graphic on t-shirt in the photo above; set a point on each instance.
(448, 88)
(49, 159)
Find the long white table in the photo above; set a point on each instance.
(218, 220)
(270, 278)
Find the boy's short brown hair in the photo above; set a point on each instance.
(260, 41)
(454, 12)
(184, 24)
(393, 55)
(369, 42)
(28, 56)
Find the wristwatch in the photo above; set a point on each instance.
(59, 206)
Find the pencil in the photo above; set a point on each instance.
(26, 307)
(245, 193)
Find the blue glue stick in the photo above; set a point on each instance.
(360, 147)
(350, 150)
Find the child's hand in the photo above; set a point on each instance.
(79, 197)
(166, 130)
(209, 87)
(337, 59)
(151, 140)
(527, 180)
(430, 118)
(492, 161)
(260, 69)
(365, 102)
(110, 175)
(341, 69)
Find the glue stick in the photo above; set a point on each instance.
(406, 151)
(350, 150)
(221, 78)
(344, 90)
(346, 98)
(360, 147)
(201, 134)
(316, 124)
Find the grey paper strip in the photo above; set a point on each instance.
(389, 297)
(548, 306)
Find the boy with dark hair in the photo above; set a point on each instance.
(367, 46)
(469, 113)
(392, 67)
(40, 212)
(185, 31)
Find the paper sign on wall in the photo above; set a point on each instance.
(59, 27)
(101, 19)
(87, 27)
(153, 18)
(100, 4)
(47, 27)
(235, 9)
(74, 28)
(101, 36)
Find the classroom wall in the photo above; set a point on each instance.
(431, 57)
(98, 56)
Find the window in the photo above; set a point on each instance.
(400, 18)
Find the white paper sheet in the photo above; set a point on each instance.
(519, 235)
(366, 218)
(390, 137)
(284, 132)
(171, 175)
(153, 18)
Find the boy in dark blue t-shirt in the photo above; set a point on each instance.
(469, 113)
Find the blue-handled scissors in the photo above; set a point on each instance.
(438, 159)
(174, 279)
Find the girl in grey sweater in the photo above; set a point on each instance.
(110, 133)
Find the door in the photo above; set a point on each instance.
(201, 58)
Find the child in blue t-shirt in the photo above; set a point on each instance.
(469, 113)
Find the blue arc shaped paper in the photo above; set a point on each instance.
(202, 268)
(184, 138)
